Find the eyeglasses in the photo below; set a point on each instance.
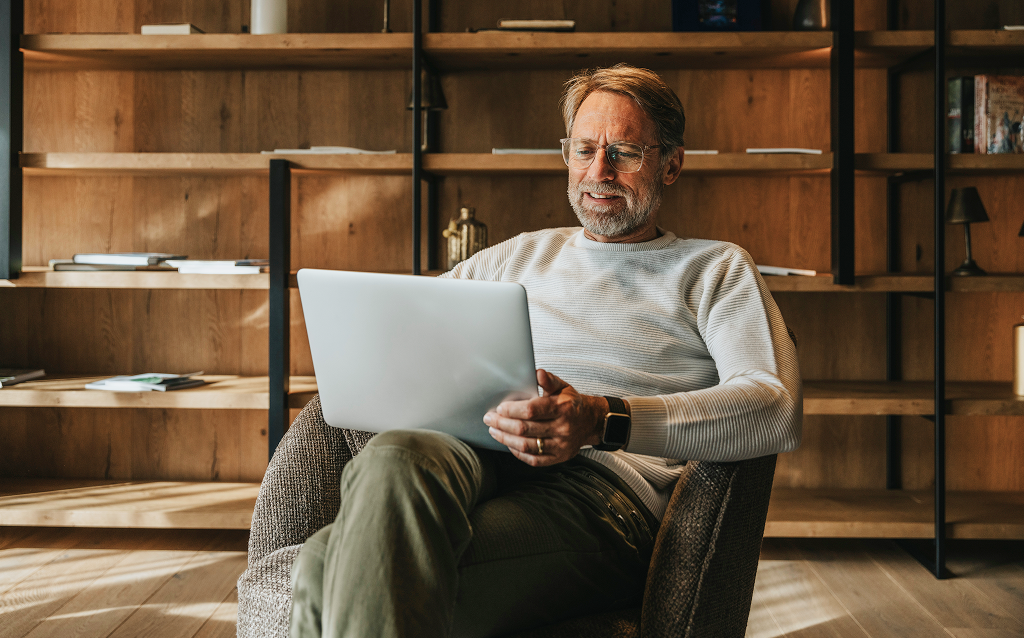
(624, 157)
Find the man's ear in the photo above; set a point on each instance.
(674, 167)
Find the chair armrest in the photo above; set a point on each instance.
(701, 578)
(299, 494)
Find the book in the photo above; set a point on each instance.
(219, 267)
(326, 150)
(801, 151)
(60, 265)
(778, 270)
(147, 382)
(999, 114)
(11, 376)
(181, 28)
(536, 25)
(960, 114)
(125, 259)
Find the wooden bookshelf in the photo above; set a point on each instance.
(218, 51)
(844, 513)
(207, 163)
(910, 398)
(222, 392)
(155, 504)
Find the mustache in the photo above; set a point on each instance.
(602, 189)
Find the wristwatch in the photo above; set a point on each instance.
(617, 425)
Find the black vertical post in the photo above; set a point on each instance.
(417, 129)
(940, 288)
(11, 128)
(842, 142)
(280, 299)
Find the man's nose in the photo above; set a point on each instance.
(601, 169)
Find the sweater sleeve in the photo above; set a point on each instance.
(757, 407)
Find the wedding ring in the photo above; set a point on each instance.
(540, 447)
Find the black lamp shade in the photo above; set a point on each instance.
(965, 207)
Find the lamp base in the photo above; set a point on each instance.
(968, 269)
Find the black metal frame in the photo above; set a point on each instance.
(842, 107)
(280, 300)
(12, 17)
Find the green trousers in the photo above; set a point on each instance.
(435, 538)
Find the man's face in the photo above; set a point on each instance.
(609, 203)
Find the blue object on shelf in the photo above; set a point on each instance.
(716, 15)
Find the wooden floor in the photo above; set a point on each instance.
(171, 583)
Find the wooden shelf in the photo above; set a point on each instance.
(222, 392)
(218, 51)
(901, 282)
(49, 164)
(35, 164)
(910, 398)
(157, 504)
(44, 277)
(806, 513)
(894, 163)
(882, 49)
(539, 50)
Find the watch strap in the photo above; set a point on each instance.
(617, 411)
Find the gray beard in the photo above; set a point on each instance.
(638, 207)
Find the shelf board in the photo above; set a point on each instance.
(897, 282)
(44, 277)
(837, 513)
(967, 44)
(721, 164)
(222, 392)
(36, 164)
(153, 504)
(979, 398)
(894, 163)
(540, 50)
(218, 51)
(882, 49)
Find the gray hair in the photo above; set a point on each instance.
(644, 86)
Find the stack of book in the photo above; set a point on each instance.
(148, 382)
(11, 376)
(986, 114)
(160, 261)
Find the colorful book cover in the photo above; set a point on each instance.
(999, 104)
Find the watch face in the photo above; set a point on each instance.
(616, 431)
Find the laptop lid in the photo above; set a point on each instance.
(402, 352)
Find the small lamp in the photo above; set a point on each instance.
(965, 208)
(431, 99)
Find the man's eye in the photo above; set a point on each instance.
(623, 155)
(584, 152)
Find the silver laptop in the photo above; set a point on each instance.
(400, 352)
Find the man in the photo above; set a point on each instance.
(651, 348)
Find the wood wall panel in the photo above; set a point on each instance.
(136, 331)
(226, 445)
(227, 16)
(836, 452)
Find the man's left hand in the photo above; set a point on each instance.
(563, 421)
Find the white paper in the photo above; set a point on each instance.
(804, 151)
(526, 151)
(778, 270)
(326, 150)
(697, 152)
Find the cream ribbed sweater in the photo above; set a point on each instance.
(683, 329)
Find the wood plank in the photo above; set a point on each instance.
(539, 50)
(910, 398)
(800, 604)
(187, 601)
(127, 504)
(37, 549)
(957, 605)
(38, 164)
(996, 571)
(893, 514)
(218, 51)
(962, 163)
(222, 392)
(760, 623)
(223, 622)
(44, 277)
(881, 607)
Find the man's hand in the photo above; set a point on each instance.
(563, 420)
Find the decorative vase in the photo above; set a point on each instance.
(269, 16)
(812, 15)
(466, 236)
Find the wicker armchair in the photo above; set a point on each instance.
(700, 582)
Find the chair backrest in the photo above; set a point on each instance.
(705, 559)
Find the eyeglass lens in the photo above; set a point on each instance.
(623, 156)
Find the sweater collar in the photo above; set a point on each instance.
(667, 237)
